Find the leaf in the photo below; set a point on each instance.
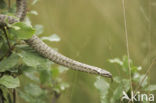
(35, 63)
(136, 77)
(31, 99)
(33, 90)
(33, 59)
(45, 76)
(39, 29)
(145, 80)
(31, 75)
(151, 88)
(116, 60)
(30, 59)
(64, 86)
(52, 38)
(3, 4)
(55, 72)
(62, 69)
(23, 32)
(9, 62)
(5, 92)
(125, 84)
(9, 82)
(32, 93)
(34, 2)
(117, 94)
(27, 21)
(117, 79)
(34, 12)
(3, 49)
(1, 41)
(139, 68)
(25, 96)
(125, 64)
(103, 86)
(134, 69)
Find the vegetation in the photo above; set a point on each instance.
(140, 84)
(21, 66)
(26, 76)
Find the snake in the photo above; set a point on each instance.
(46, 51)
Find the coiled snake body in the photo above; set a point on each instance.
(48, 52)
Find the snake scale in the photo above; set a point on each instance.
(47, 52)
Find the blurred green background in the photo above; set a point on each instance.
(92, 31)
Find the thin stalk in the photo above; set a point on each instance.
(14, 95)
(6, 36)
(127, 44)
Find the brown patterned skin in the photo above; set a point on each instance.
(21, 9)
(58, 58)
(48, 52)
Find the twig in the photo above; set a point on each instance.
(2, 99)
(127, 45)
(8, 53)
(6, 36)
(148, 70)
(55, 97)
(14, 95)
(9, 4)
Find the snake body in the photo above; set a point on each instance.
(48, 52)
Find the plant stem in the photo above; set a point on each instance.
(14, 95)
(127, 44)
(9, 4)
(6, 36)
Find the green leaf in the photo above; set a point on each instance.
(34, 2)
(39, 29)
(21, 30)
(33, 59)
(116, 60)
(62, 69)
(27, 21)
(25, 96)
(125, 64)
(145, 80)
(45, 76)
(125, 84)
(32, 75)
(103, 86)
(117, 79)
(1, 41)
(31, 99)
(2, 4)
(4, 48)
(33, 90)
(64, 86)
(151, 88)
(53, 37)
(136, 77)
(30, 59)
(9, 62)
(5, 93)
(32, 93)
(55, 72)
(117, 94)
(33, 12)
(9, 82)
(134, 69)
